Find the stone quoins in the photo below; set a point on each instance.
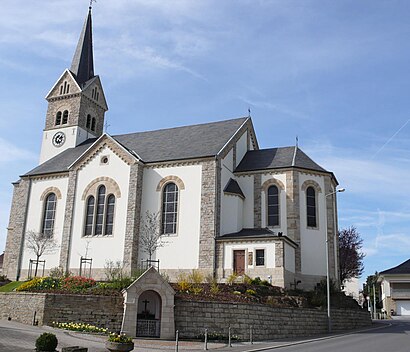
(49, 190)
(168, 179)
(311, 183)
(109, 183)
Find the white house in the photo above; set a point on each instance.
(225, 204)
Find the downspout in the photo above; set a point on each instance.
(24, 231)
(217, 193)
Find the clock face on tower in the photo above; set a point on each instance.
(59, 139)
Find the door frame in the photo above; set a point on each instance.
(244, 250)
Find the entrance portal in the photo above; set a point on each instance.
(149, 314)
(239, 262)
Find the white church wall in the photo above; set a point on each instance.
(241, 147)
(313, 241)
(35, 216)
(269, 248)
(181, 250)
(289, 257)
(282, 203)
(231, 206)
(246, 184)
(101, 248)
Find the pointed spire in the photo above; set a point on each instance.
(83, 62)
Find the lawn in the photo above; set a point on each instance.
(11, 286)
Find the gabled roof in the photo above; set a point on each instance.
(254, 234)
(276, 158)
(403, 268)
(82, 65)
(180, 143)
(232, 187)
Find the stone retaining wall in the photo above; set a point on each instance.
(101, 311)
(191, 319)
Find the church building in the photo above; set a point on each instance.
(224, 205)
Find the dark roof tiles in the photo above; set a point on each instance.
(403, 268)
(232, 187)
(276, 158)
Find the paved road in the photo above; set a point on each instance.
(394, 338)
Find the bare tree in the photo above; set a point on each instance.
(39, 243)
(350, 254)
(150, 234)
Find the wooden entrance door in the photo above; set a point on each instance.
(239, 262)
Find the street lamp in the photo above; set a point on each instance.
(329, 321)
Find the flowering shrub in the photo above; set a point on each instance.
(122, 338)
(79, 327)
(77, 283)
(40, 284)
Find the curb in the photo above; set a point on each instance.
(288, 344)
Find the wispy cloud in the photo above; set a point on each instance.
(10, 152)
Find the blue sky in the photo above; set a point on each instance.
(333, 73)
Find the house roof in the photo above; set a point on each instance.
(232, 187)
(276, 158)
(179, 143)
(403, 268)
(254, 233)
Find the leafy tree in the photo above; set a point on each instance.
(150, 235)
(350, 254)
(372, 288)
(39, 243)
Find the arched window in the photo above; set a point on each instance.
(109, 215)
(68, 88)
(65, 87)
(61, 89)
(311, 207)
(49, 214)
(89, 217)
(169, 208)
(93, 124)
(58, 118)
(273, 206)
(65, 117)
(88, 125)
(99, 214)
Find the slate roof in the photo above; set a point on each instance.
(276, 158)
(253, 233)
(233, 187)
(179, 143)
(62, 161)
(403, 268)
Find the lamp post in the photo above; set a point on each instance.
(329, 321)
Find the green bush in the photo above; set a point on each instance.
(46, 342)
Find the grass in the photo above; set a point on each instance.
(11, 286)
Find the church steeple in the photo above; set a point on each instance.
(82, 65)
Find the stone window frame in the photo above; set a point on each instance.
(160, 188)
(43, 198)
(91, 190)
(317, 189)
(43, 212)
(281, 188)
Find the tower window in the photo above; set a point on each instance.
(93, 93)
(58, 118)
(49, 215)
(65, 117)
(61, 89)
(68, 88)
(65, 87)
(93, 124)
(98, 95)
(88, 125)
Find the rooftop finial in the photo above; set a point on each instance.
(91, 3)
(297, 141)
(249, 112)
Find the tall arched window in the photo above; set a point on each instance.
(311, 207)
(273, 206)
(65, 117)
(89, 217)
(58, 118)
(169, 208)
(109, 215)
(99, 215)
(88, 125)
(49, 215)
(93, 122)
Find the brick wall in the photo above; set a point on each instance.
(191, 318)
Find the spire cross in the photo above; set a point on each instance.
(91, 3)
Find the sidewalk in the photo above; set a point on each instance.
(15, 336)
